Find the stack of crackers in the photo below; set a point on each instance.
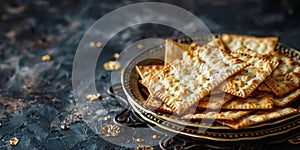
(237, 80)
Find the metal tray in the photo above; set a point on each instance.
(275, 131)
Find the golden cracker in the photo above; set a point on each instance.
(217, 43)
(264, 87)
(247, 80)
(157, 105)
(223, 115)
(287, 64)
(263, 100)
(290, 67)
(287, 99)
(262, 45)
(285, 77)
(174, 50)
(255, 93)
(259, 117)
(243, 50)
(294, 77)
(214, 101)
(279, 84)
(148, 70)
(184, 82)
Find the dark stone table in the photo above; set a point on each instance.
(36, 96)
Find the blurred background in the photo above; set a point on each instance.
(36, 93)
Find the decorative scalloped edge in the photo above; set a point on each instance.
(295, 140)
(217, 115)
(269, 106)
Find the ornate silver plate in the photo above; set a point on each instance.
(282, 128)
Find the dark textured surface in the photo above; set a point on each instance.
(36, 97)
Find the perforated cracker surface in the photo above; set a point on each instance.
(183, 83)
(247, 80)
(263, 45)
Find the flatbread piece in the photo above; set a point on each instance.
(263, 100)
(174, 50)
(263, 45)
(148, 70)
(287, 99)
(184, 82)
(214, 101)
(247, 80)
(154, 104)
(264, 87)
(259, 117)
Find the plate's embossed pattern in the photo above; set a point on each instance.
(295, 140)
